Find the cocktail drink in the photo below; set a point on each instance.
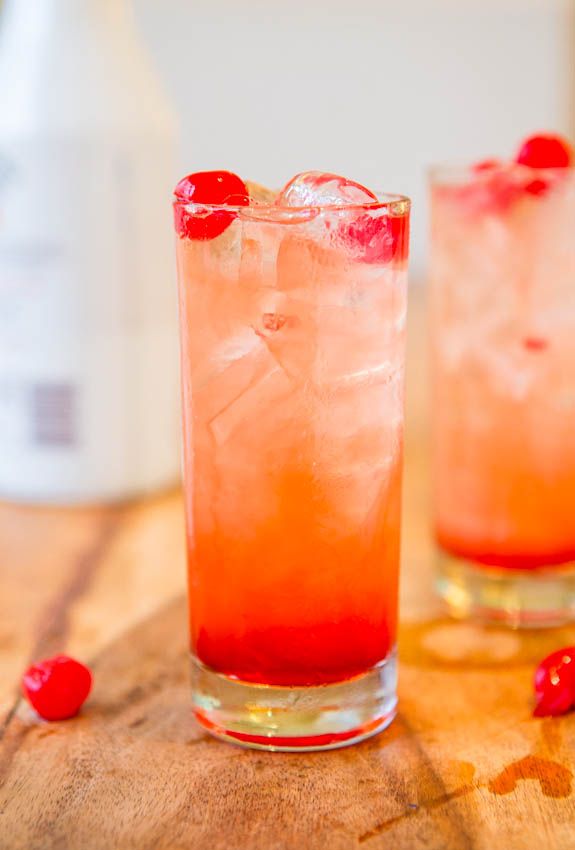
(292, 314)
(503, 341)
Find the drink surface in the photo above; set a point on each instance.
(503, 319)
(292, 366)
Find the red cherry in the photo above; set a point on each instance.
(273, 321)
(535, 343)
(57, 687)
(555, 683)
(377, 239)
(545, 151)
(218, 188)
(537, 187)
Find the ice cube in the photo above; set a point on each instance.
(366, 230)
(318, 188)
(370, 403)
(358, 431)
(234, 366)
(341, 319)
(293, 344)
(253, 406)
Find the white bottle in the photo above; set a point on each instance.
(88, 363)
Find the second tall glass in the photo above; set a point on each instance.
(503, 327)
(292, 362)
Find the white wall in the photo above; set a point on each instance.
(375, 89)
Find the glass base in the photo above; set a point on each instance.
(536, 598)
(298, 719)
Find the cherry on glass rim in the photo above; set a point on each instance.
(57, 687)
(217, 188)
(545, 150)
(554, 683)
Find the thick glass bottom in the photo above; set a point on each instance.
(534, 598)
(270, 717)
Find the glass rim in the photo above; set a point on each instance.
(384, 200)
(453, 171)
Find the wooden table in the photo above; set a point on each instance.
(463, 766)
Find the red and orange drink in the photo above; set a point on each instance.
(503, 326)
(292, 323)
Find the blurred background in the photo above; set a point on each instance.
(372, 89)
(105, 103)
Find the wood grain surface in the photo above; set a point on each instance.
(463, 766)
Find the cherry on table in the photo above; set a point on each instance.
(217, 188)
(57, 687)
(555, 683)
